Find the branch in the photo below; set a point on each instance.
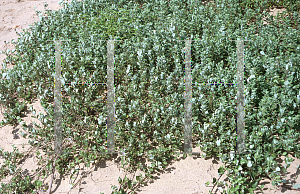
(138, 184)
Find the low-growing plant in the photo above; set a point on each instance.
(149, 88)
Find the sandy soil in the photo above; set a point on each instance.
(186, 176)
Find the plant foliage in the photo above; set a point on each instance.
(149, 86)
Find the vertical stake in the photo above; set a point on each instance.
(110, 97)
(188, 99)
(240, 97)
(57, 100)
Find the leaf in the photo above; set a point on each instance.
(120, 180)
(129, 184)
(214, 180)
(221, 170)
(71, 185)
(249, 164)
(240, 168)
(273, 183)
(296, 186)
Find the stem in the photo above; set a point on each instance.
(52, 176)
(216, 183)
(138, 184)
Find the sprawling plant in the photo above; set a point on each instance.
(149, 87)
